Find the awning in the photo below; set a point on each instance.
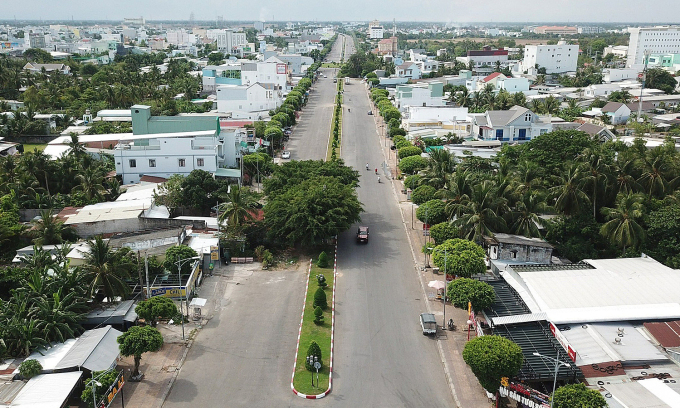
(233, 173)
(95, 350)
(47, 390)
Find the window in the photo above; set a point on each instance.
(527, 117)
(199, 162)
(133, 163)
(499, 134)
(181, 162)
(152, 162)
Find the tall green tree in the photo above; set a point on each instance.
(137, 341)
(577, 395)
(49, 230)
(623, 228)
(107, 269)
(238, 209)
(491, 358)
(482, 213)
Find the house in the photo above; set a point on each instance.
(514, 85)
(449, 118)
(37, 68)
(558, 58)
(597, 132)
(518, 124)
(518, 248)
(388, 46)
(617, 111)
(485, 60)
(430, 94)
(252, 101)
(408, 69)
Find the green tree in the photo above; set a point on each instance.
(464, 290)
(320, 298)
(526, 215)
(156, 308)
(178, 253)
(481, 213)
(658, 78)
(169, 193)
(30, 368)
(318, 315)
(107, 268)
(462, 258)
(238, 209)
(137, 341)
(422, 194)
(322, 262)
(491, 358)
(623, 229)
(315, 351)
(577, 395)
(409, 151)
(49, 230)
(200, 190)
(412, 164)
(569, 196)
(443, 231)
(432, 212)
(106, 379)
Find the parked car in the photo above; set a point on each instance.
(362, 234)
(370, 112)
(428, 323)
(285, 154)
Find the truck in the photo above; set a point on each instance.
(362, 234)
(428, 323)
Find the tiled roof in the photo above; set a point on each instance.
(611, 107)
(492, 76)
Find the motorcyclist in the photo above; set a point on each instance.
(366, 166)
(378, 179)
(376, 171)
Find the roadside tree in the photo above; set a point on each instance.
(137, 341)
(491, 358)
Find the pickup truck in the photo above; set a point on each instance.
(428, 323)
(362, 234)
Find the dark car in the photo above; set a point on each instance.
(362, 234)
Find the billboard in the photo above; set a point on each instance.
(563, 341)
(113, 390)
(281, 68)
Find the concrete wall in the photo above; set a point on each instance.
(523, 253)
(37, 139)
(26, 215)
(87, 230)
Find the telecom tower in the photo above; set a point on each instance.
(394, 27)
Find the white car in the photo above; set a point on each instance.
(285, 155)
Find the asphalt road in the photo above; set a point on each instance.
(382, 358)
(244, 356)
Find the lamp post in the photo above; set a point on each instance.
(179, 263)
(314, 362)
(557, 366)
(94, 384)
(445, 285)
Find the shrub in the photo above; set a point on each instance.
(267, 259)
(423, 194)
(397, 132)
(400, 144)
(409, 151)
(463, 258)
(258, 253)
(30, 368)
(320, 298)
(323, 260)
(432, 212)
(443, 231)
(464, 290)
(412, 164)
(313, 350)
(321, 280)
(318, 315)
(411, 182)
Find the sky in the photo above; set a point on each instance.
(449, 11)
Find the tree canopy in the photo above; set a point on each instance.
(491, 358)
(577, 395)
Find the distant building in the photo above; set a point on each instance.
(388, 46)
(591, 30)
(555, 59)
(560, 30)
(517, 124)
(408, 70)
(36, 40)
(36, 68)
(134, 21)
(252, 101)
(518, 248)
(430, 94)
(375, 30)
(485, 60)
(657, 40)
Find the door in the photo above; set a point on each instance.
(522, 134)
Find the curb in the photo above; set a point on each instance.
(176, 374)
(297, 347)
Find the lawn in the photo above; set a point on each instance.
(313, 332)
(31, 147)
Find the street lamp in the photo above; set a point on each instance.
(179, 263)
(94, 384)
(557, 366)
(445, 285)
(314, 362)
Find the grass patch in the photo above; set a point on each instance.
(331, 65)
(31, 147)
(313, 332)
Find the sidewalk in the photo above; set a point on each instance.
(466, 389)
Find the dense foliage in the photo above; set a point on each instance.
(463, 290)
(491, 358)
(577, 395)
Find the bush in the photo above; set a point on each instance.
(423, 194)
(463, 258)
(464, 290)
(409, 151)
(443, 231)
(322, 262)
(401, 143)
(577, 395)
(432, 212)
(320, 299)
(397, 132)
(30, 368)
(412, 164)
(258, 253)
(318, 315)
(267, 259)
(411, 182)
(178, 253)
(313, 350)
(491, 358)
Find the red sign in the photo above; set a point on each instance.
(563, 341)
(426, 227)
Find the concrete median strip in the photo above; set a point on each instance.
(297, 347)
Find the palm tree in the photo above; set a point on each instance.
(623, 229)
(527, 177)
(482, 213)
(518, 98)
(569, 197)
(463, 97)
(527, 215)
(536, 106)
(49, 229)
(551, 105)
(107, 269)
(238, 208)
(58, 316)
(596, 173)
(90, 182)
(657, 170)
(77, 148)
(440, 165)
(456, 191)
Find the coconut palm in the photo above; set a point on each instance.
(551, 105)
(622, 173)
(456, 191)
(90, 182)
(107, 269)
(623, 228)
(238, 208)
(568, 195)
(657, 171)
(526, 216)
(76, 148)
(463, 97)
(596, 173)
(481, 214)
(49, 230)
(58, 315)
(519, 98)
(440, 165)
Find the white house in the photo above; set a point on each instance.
(658, 40)
(513, 85)
(555, 59)
(408, 70)
(618, 112)
(163, 155)
(270, 71)
(517, 124)
(252, 101)
(36, 68)
(619, 74)
(424, 94)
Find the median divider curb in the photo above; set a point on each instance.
(297, 347)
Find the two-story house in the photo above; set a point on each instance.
(252, 101)
(518, 124)
(408, 70)
(422, 94)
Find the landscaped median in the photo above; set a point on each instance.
(336, 126)
(316, 325)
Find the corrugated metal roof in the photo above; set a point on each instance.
(666, 333)
(521, 318)
(47, 390)
(95, 350)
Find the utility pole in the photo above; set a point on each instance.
(644, 79)
(146, 267)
